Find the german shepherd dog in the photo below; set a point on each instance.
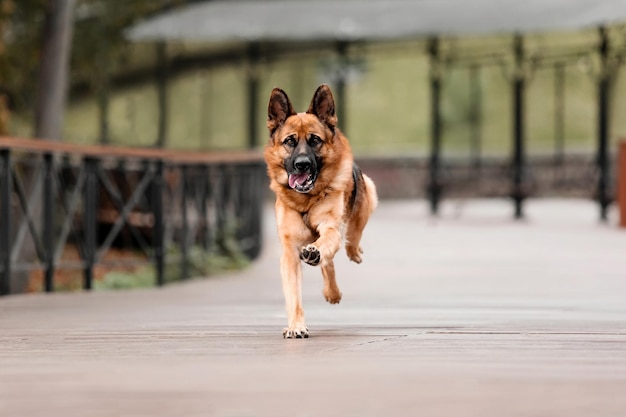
(322, 197)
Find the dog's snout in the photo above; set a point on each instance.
(302, 163)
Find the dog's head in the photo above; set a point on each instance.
(300, 142)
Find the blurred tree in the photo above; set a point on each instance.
(53, 68)
(27, 31)
(19, 49)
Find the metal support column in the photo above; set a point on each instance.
(519, 181)
(254, 56)
(6, 183)
(161, 80)
(340, 89)
(603, 195)
(48, 221)
(434, 187)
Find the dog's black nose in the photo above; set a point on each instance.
(302, 163)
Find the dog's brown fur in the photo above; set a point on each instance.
(313, 223)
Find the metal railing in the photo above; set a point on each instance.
(53, 194)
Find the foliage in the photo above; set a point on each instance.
(201, 263)
(21, 23)
(224, 255)
(119, 280)
(98, 41)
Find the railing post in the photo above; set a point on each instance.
(221, 198)
(158, 228)
(5, 221)
(204, 196)
(90, 206)
(184, 246)
(621, 182)
(48, 221)
(256, 180)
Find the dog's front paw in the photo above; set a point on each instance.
(299, 331)
(311, 255)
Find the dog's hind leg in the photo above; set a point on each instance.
(354, 231)
(353, 238)
(331, 290)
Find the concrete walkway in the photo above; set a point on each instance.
(472, 314)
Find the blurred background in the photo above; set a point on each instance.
(127, 59)
(387, 97)
(438, 99)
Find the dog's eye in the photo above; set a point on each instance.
(290, 141)
(315, 140)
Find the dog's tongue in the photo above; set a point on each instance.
(297, 179)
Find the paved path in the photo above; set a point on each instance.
(469, 315)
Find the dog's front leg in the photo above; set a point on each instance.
(327, 221)
(291, 274)
(323, 250)
(293, 232)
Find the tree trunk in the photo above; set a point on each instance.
(54, 69)
(50, 108)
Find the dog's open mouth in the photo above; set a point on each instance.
(302, 183)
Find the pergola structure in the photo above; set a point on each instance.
(254, 27)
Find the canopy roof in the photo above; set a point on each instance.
(328, 20)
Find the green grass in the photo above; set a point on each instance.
(200, 264)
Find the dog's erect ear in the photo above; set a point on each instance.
(323, 106)
(278, 110)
